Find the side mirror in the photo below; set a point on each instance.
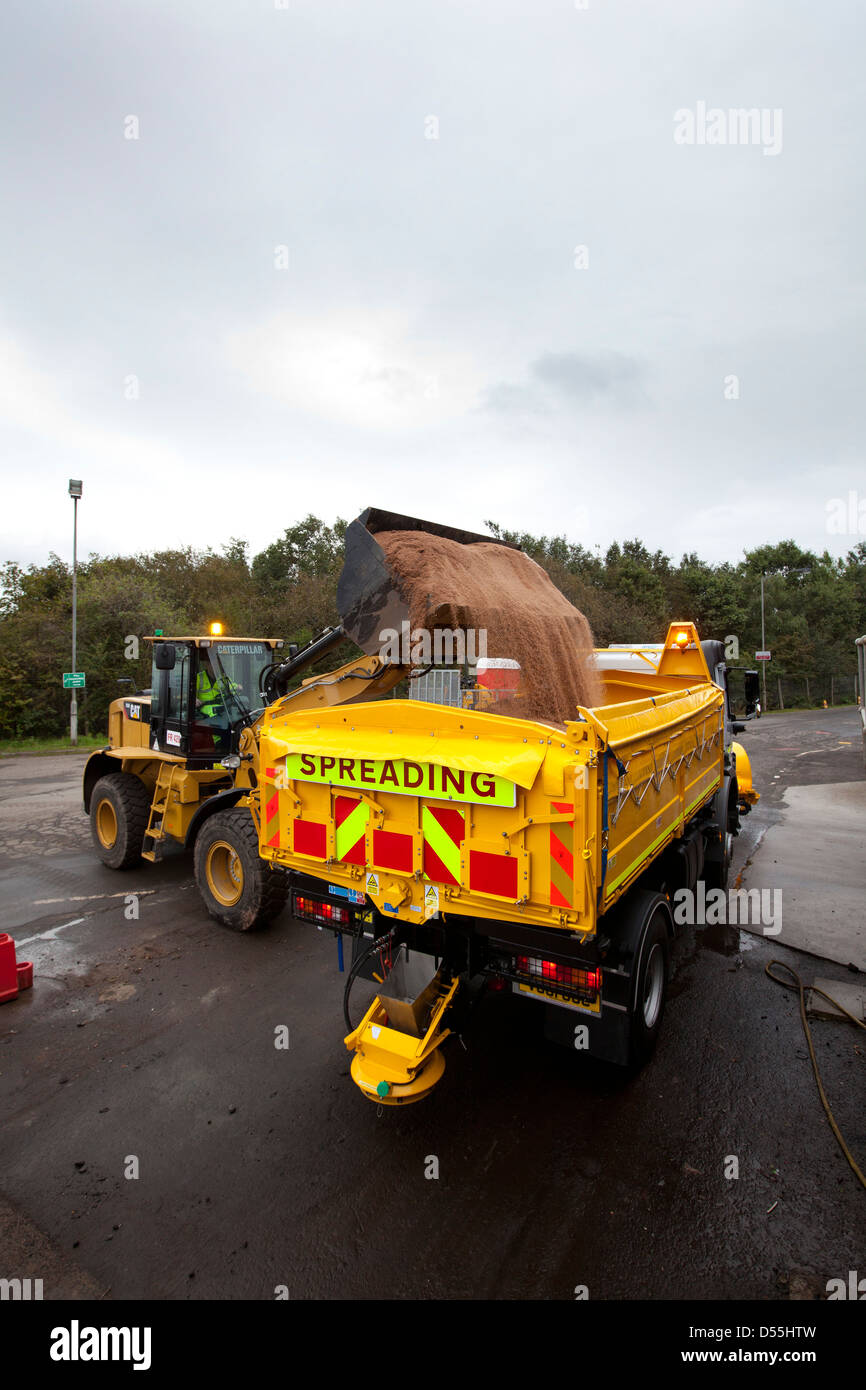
(752, 692)
(164, 657)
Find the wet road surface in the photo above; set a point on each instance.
(147, 1044)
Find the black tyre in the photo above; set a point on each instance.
(650, 988)
(717, 869)
(717, 859)
(239, 889)
(119, 808)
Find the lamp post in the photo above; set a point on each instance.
(763, 644)
(75, 490)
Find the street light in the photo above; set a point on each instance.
(763, 645)
(75, 490)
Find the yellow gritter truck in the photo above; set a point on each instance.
(502, 850)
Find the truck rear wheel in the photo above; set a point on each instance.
(717, 857)
(650, 988)
(119, 808)
(239, 889)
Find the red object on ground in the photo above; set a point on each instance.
(13, 976)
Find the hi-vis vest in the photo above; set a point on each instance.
(207, 691)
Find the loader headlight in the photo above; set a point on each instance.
(230, 762)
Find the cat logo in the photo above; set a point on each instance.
(131, 711)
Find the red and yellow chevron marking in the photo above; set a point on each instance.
(350, 823)
(272, 812)
(444, 831)
(561, 858)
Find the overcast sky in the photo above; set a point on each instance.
(339, 267)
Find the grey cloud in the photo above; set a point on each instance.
(585, 378)
(559, 379)
(506, 398)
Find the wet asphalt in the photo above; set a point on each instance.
(147, 1046)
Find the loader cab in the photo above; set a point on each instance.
(203, 689)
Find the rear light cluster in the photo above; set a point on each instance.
(311, 910)
(551, 972)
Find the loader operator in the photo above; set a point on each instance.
(210, 692)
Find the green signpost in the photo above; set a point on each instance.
(73, 680)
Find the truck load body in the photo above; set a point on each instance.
(482, 815)
(507, 850)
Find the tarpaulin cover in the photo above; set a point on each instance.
(510, 748)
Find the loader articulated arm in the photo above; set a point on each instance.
(365, 678)
(276, 680)
(362, 678)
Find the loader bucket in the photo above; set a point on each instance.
(369, 595)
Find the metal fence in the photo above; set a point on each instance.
(436, 688)
(810, 692)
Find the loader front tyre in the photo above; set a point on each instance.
(239, 889)
(119, 808)
(650, 989)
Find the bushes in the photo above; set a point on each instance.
(289, 591)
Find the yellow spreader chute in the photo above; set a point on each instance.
(395, 1068)
(745, 787)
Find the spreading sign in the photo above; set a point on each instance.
(403, 776)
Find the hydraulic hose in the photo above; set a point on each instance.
(355, 967)
(806, 1029)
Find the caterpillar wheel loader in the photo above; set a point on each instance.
(173, 771)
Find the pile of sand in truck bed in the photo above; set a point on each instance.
(492, 587)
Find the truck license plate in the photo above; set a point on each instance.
(550, 996)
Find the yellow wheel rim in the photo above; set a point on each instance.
(106, 824)
(224, 873)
